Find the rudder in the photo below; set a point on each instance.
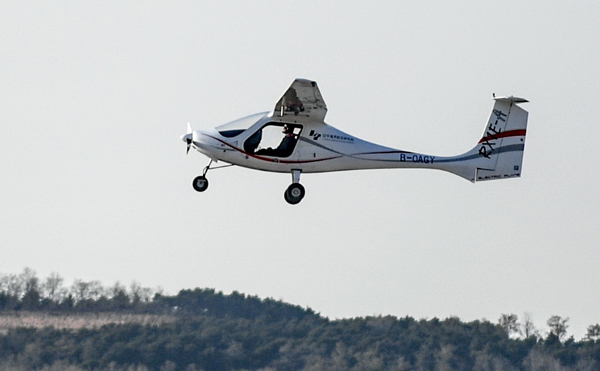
(502, 145)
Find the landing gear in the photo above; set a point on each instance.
(200, 183)
(295, 192)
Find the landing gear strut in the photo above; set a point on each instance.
(200, 183)
(295, 192)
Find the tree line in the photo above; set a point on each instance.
(25, 292)
(216, 331)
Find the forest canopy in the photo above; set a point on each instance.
(45, 325)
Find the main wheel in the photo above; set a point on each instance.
(294, 194)
(200, 183)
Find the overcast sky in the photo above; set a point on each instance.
(96, 184)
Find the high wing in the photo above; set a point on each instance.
(303, 100)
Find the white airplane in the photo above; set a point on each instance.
(309, 145)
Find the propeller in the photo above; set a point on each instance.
(188, 138)
(189, 144)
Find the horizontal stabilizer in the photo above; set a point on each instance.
(511, 99)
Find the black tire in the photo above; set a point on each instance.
(200, 183)
(294, 194)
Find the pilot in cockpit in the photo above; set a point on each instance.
(286, 146)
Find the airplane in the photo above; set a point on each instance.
(294, 138)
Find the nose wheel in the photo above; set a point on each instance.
(200, 183)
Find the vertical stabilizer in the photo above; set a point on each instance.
(499, 153)
(503, 142)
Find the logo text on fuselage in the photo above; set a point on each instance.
(488, 141)
(334, 137)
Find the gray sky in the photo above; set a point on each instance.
(96, 185)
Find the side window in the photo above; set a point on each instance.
(275, 139)
(251, 144)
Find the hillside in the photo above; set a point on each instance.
(202, 329)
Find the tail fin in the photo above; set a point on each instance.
(503, 142)
(499, 153)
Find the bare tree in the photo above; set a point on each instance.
(541, 361)
(368, 360)
(527, 328)
(443, 358)
(135, 292)
(29, 280)
(509, 323)
(31, 289)
(558, 326)
(4, 283)
(52, 288)
(96, 290)
(13, 286)
(593, 333)
(119, 295)
(80, 290)
(117, 290)
(340, 357)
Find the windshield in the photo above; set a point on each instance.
(238, 126)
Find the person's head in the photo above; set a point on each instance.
(287, 129)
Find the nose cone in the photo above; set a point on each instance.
(187, 138)
(196, 139)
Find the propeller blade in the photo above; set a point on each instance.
(189, 137)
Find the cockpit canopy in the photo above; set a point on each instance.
(236, 127)
(263, 137)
